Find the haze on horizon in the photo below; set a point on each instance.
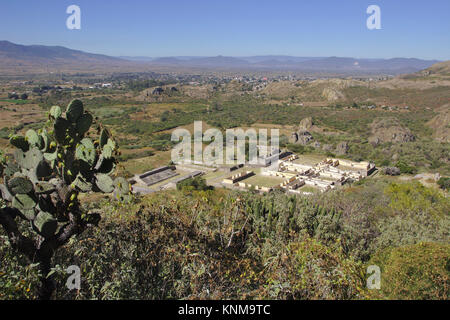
(322, 28)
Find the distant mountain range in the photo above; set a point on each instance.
(307, 64)
(20, 59)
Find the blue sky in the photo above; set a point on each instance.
(410, 28)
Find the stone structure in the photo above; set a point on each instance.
(154, 176)
(324, 175)
(238, 177)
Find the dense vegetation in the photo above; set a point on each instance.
(214, 244)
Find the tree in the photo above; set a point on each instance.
(14, 96)
(23, 96)
(444, 183)
(40, 209)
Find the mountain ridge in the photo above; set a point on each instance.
(16, 58)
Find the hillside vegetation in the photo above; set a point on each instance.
(214, 244)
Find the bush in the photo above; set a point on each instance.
(444, 183)
(420, 271)
(296, 148)
(197, 183)
(238, 245)
(309, 270)
(405, 168)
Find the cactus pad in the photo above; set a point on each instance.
(20, 185)
(43, 170)
(82, 184)
(55, 112)
(86, 151)
(29, 214)
(23, 202)
(51, 156)
(64, 131)
(106, 166)
(32, 138)
(31, 158)
(74, 110)
(104, 183)
(84, 123)
(45, 141)
(43, 187)
(104, 136)
(10, 169)
(122, 189)
(19, 142)
(45, 224)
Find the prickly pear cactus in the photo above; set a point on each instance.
(50, 167)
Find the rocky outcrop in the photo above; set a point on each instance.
(306, 124)
(342, 148)
(301, 137)
(332, 94)
(389, 130)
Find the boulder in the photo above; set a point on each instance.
(374, 141)
(305, 124)
(301, 137)
(342, 148)
(331, 94)
(304, 137)
(391, 171)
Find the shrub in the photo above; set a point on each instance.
(197, 183)
(405, 168)
(310, 270)
(444, 183)
(420, 271)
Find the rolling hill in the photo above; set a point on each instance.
(22, 59)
